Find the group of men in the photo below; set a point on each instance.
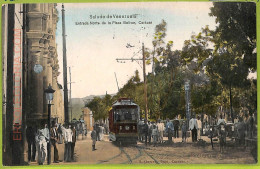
(39, 140)
(148, 131)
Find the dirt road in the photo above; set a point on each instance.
(176, 153)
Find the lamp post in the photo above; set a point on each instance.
(49, 97)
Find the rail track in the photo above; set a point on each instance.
(128, 151)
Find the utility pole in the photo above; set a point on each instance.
(144, 74)
(145, 87)
(116, 82)
(66, 112)
(70, 96)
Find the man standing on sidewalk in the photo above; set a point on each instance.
(30, 137)
(54, 139)
(42, 138)
(67, 139)
(74, 138)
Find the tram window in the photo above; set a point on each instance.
(117, 117)
(126, 114)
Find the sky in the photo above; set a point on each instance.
(92, 49)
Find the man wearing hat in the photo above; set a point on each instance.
(54, 139)
(42, 138)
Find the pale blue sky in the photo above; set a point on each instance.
(92, 49)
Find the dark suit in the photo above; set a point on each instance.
(30, 136)
(73, 143)
(54, 138)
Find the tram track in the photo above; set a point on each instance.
(125, 151)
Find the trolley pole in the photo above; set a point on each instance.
(116, 82)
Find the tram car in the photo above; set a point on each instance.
(123, 120)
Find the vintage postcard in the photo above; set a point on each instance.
(129, 83)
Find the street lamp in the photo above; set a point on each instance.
(49, 97)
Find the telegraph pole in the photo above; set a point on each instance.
(66, 112)
(70, 96)
(144, 74)
(145, 87)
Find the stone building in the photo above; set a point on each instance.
(30, 64)
(41, 44)
(88, 117)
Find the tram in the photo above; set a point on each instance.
(123, 121)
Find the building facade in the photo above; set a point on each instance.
(29, 66)
(88, 117)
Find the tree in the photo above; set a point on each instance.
(237, 27)
(97, 107)
(100, 106)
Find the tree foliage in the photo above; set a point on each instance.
(216, 62)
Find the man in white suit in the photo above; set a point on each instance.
(42, 138)
(193, 126)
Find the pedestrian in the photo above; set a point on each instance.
(86, 130)
(54, 139)
(184, 131)
(42, 138)
(106, 128)
(160, 131)
(169, 130)
(60, 135)
(30, 137)
(221, 120)
(155, 135)
(241, 129)
(67, 140)
(140, 130)
(250, 124)
(176, 124)
(97, 128)
(101, 132)
(73, 143)
(193, 126)
(199, 127)
(150, 128)
(94, 138)
(145, 129)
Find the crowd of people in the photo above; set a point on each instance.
(39, 138)
(39, 141)
(152, 132)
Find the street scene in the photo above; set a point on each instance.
(109, 153)
(129, 83)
